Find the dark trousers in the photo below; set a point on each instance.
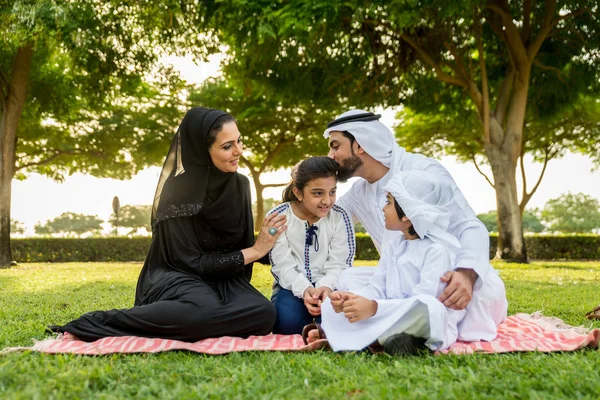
(292, 314)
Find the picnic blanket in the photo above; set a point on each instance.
(520, 332)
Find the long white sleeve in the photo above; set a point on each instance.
(341, 249)
(437, 262)
(285, 268)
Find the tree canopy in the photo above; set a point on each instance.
(81, 89)
(134, 217)
(531, 221)
(17, 227)
(478, 61)
(70, 224)
(572, 213)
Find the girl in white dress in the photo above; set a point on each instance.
(399, 308)
(316, 247)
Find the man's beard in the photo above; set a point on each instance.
(348, 167)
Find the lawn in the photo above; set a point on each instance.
(35, 295)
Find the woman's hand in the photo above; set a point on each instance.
(265, 240)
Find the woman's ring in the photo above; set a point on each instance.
(272, 231)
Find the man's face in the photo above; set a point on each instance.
(341, 150)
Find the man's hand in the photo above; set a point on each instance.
(356, 308)
(459, 291)
(312, 304)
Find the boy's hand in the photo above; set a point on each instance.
(312, 305)
(337, 301)
(356, 308)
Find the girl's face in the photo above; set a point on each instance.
(227, 149)
(318, 196)
(392, 222)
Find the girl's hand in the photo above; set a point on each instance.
(311, 304)
(321, 294)
(265, 240)
(356, 308)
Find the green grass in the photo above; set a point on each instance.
(35, 295)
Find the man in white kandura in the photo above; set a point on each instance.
(366, 148)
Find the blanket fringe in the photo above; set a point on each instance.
(554, 323)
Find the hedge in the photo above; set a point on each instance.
(539, 247)
(80, 250)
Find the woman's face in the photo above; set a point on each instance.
(227, 149)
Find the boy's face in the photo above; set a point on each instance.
(392, 222)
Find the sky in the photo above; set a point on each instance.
(38, 198)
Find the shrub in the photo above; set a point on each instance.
(79, 250)
(539, 247)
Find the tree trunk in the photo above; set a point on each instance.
(10, 113)
(511, 245)
(260, 202)
(503, 152)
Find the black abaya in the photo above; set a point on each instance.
(194, 284)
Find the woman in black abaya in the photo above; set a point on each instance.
(195, 283)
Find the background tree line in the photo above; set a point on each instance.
(569, 213)
(488, 81)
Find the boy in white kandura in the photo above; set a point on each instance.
(316, 247)
(399, 309)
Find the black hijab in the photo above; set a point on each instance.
(190, 184)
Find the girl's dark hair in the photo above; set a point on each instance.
(218, 127)
(307, 170)
(401, 214)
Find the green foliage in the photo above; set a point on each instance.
(572, 213)
(17, 227)
(531, 221)
(539, 247)
(70, 224)
(97, 102)
(133, 217)
(268, 204)
(37, 295)
(359, 228)
(80, 250)
(277, 132)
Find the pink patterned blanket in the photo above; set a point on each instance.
(520, 332)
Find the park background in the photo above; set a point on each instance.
(94, 91)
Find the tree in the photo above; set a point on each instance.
(133, 217)
(276, 133)
(531, 222)
(17, 227)
(482, 57)
(70, 223)
(80, 90)
(268, 204)
(572, 213)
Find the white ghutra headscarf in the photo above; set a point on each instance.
(424, 198)
(373, 136)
